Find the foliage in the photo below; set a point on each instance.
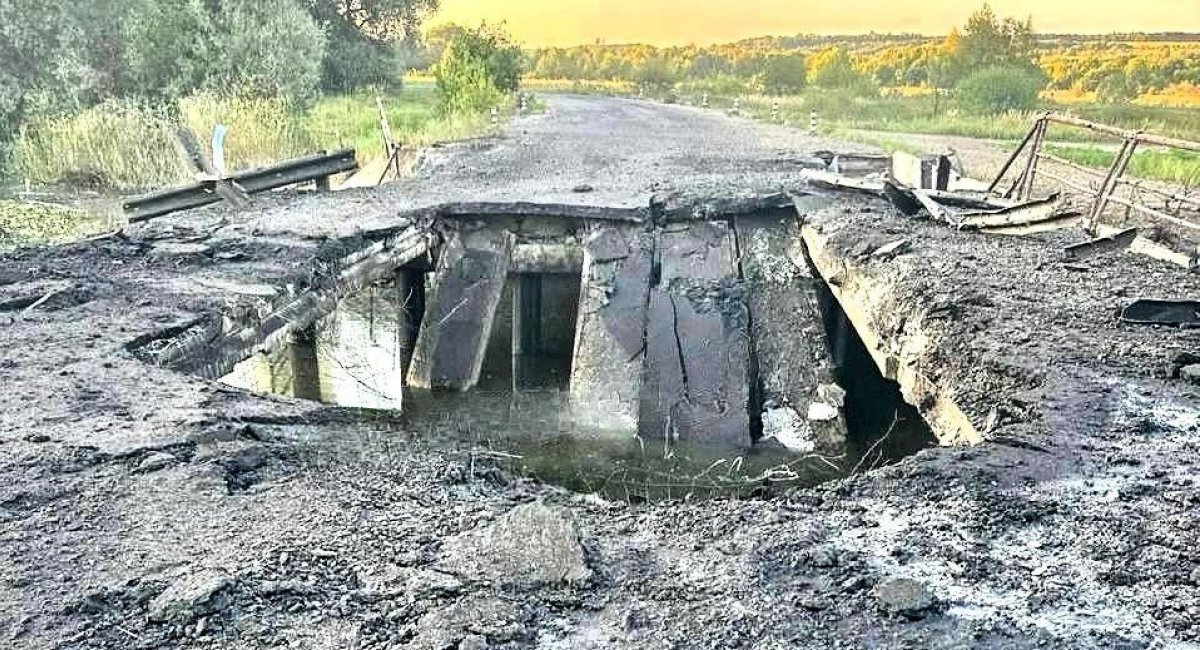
(476, 70)
(157, 66)
(270, 48)
(382, 21)
(1000, 88)
(784, 74)
(115, 144)
(988, 40)
(655, 75)
(1116, 89)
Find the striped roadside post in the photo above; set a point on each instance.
(812, 121)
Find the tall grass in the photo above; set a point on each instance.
(125, 147)
(1180, 167)
(111, 145)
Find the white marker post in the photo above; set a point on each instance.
(812, 121)
(218, 149)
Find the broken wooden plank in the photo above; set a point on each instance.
(696, 378)
(801, 405)
(606, 369)
(460, 307)
(1116, 242)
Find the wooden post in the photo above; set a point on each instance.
(1120, 164)
(1027, 176)
(1013, 158)
(390, 149)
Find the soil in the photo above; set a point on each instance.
(277, 523)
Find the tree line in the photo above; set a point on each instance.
(61, 57)
(781, 65)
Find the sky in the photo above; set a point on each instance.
(538, 23)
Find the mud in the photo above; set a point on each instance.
(279, 523)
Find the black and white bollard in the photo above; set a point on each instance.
(737, 105)
(775, 111)
(704, 100)
(495, 118)
(812, 122)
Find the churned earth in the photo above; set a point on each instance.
(142, 508)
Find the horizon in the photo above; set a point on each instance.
(666, 23)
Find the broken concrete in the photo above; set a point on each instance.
(531, 545)
(790, 345)
(696, 379)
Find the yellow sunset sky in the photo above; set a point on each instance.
(679, 22)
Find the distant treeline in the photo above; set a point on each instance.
(1119, 67)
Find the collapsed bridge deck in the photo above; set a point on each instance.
(1081, 498)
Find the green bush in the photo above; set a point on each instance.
(476, 70)
(1000, 88)
(784, 74)
(1116, 89)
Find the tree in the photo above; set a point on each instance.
(476, 70)
(1000, 88)
(784, 74)
(1116, 89)
(833, 68)
(989, 40)
(362, 38)
(269, 48)
(157, 67)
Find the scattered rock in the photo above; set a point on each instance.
(583, 189)
(277, 587)
(1190, 374)
(473, 619)
(172, 249)
(533, 544)
(192, 596)
(423, 583)
(904, 596)
(37, 438)
(891, 250)
(156, 461)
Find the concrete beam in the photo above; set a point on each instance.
(803, 408)
(696, 376)
(547, 258)
(460, 307)
(606, 367)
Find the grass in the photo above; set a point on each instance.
(1180, 167)
(127, 148)
(31, 224)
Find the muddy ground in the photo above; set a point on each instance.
(142, 508)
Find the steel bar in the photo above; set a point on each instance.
(1155, 213)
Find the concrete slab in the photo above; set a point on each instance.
(696, 375)
(460, 308)
(795, 369)
(610, 331)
